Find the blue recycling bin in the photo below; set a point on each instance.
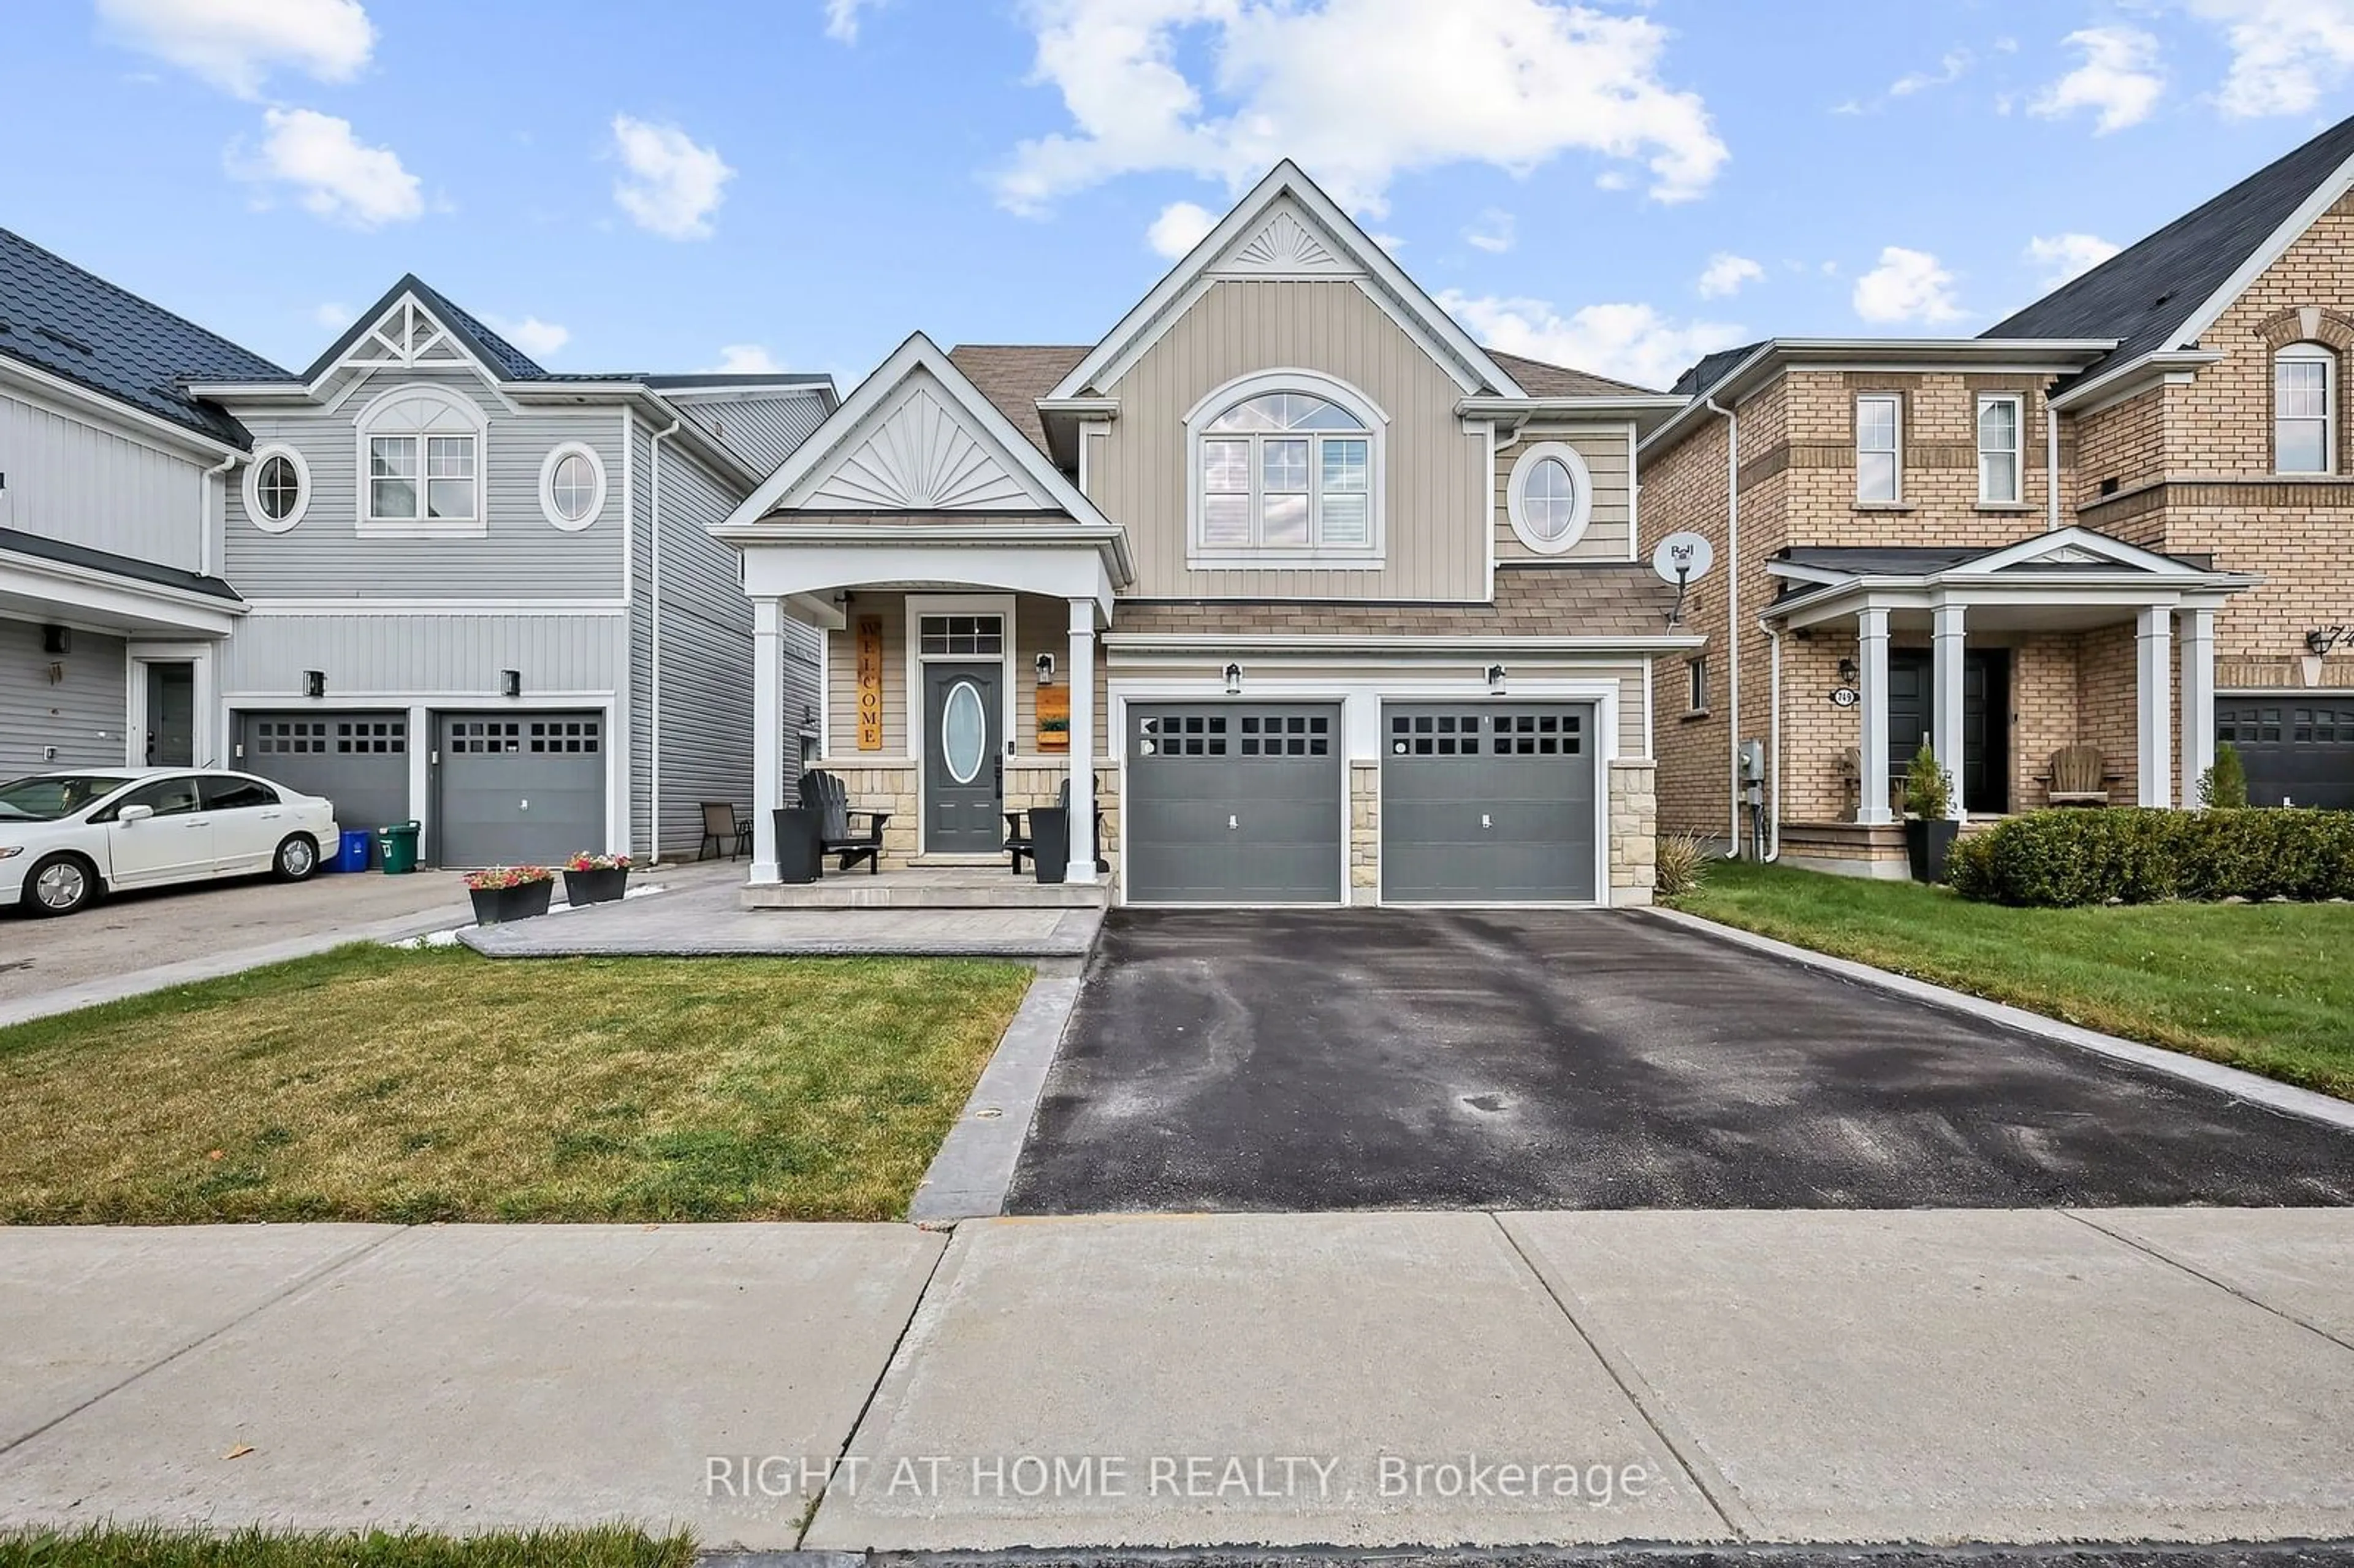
(353, 853)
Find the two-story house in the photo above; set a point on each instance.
(426, 578)
(1317, 599)
(2113, 524)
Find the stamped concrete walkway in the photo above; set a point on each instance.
(1357, 1379)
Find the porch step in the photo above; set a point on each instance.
(927, 888)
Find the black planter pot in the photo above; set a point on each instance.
(1927, 845)
(493, 904)
(1050, 838)
(595, 886)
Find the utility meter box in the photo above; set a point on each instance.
(1753, 762)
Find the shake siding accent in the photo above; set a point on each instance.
(72, 479)
(521, 555)
(454, 657)
(1435, 545)
(1603, 448)
(81, 715)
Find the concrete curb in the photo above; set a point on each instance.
(969, 1175)
(2285, 1098)
(1738, 1555)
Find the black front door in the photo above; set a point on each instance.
(171, 716)
(1985, 773)
(963, 773)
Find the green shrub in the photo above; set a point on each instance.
(2137, 856)
(2225, 785)
(1970, 867)
(1928, 789)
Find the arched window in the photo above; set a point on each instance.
(2305, 409)
(420, 455)
(1287, 465)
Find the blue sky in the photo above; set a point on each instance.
(801, 183)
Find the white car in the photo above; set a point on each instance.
(67, 838)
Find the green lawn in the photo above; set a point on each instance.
(2260, 986)
(103, 1547)
(373, 1083)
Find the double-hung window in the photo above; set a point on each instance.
(2304, 397)
(1998, 437)
(1286, 474)
(423, 450)
(1879, 447)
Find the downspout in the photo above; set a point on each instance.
(1732, 616)
(2051, 461)
(654, 652)
(1774, 747)
(204, 512)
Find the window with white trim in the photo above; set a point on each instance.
(1286, 471)
(1696, 684)
(1549, 499)
(1999, 449)
(277, 489)
(2305, 409)
(1879, 447)
(572, 486)
(420, 453)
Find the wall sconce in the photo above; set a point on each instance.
(1847, 672)
(1045, 667)
(1233, 680)
(1495, 680)
(2322, 639)
(56, 641)
(510, 683)
(314, 682)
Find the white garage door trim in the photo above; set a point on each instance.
(1605, 750)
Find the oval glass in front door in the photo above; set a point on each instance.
(964, 732)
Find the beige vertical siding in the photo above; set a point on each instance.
(1436, 545)
(1604, 449)
(841, 679)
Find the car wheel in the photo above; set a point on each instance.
(296, 859)
(60, 884)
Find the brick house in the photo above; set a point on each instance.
(2111, 522)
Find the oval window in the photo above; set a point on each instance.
(574, 486)
(279, 488)
(964, 732)
(1550, 502)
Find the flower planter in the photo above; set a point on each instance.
(521, 902)
(595, 886)
(1927, 845)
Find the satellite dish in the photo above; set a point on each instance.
(1684, 558)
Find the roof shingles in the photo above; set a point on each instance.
(1615, 600)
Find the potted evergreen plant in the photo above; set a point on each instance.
(510, 892)
(1929, 831)
(595, 878)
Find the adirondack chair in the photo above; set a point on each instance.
(2078, 777)
(1020, 845)
(824, 797)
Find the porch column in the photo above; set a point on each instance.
(1872, 641)
(767, 734)
(1083, 741)
(1945, 681)
(2197, 701)
(2153, 704)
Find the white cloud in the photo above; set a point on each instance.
(1908, 286)
(2120, 80)
(333, 313)
(2066, 255)
(335, 175)
(1633, 343)
(1725, 274)
(744, 359)
(235, 44)
(841, 17)
(1950, 68)
(1179, 227)
(1493, 232)
(674, 183)
(2284, 53)
(1357, 90)
(534, 337)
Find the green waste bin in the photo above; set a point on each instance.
(395, 848)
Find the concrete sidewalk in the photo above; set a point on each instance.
(1355, 1380)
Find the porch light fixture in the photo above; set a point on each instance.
(2322, 639)
(56, 641)
(1233, 680)
(1847, 672)
(1495, 680)
(1045, 664)
(510, 683)
(314, 682)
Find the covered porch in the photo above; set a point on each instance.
(2028, 669)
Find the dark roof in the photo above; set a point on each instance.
(78, 325)
(714, 382)
(71, 555)
(1539, 379)
(1013, 376)
(2144, 294)
(1713, 368)
(486, 346)
(1610, 600)
(1922, 560)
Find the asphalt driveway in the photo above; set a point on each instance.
(1247, 1060)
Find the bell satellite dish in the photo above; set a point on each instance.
(1682, 559)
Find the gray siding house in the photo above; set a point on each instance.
(446, 584)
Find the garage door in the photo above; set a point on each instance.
(1233, 803)
(358, 760)
(1485, 804)
(519, 789)
(2297, 750)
